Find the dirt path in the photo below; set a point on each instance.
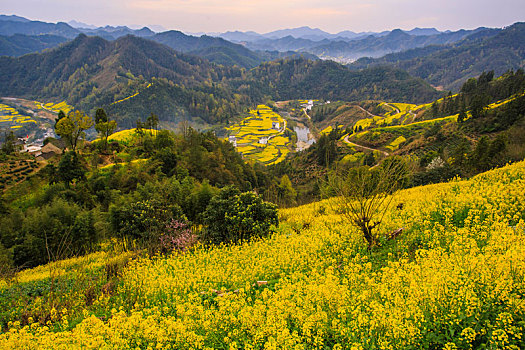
(304, 110)
(395, 108)
(364, 147)
(367, 112)
(281, 131)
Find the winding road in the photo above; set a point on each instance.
(367, 112)
(397, 109)
(363, 147)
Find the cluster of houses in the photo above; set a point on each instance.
(310, 103)
(39, 152)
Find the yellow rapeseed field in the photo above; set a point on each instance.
(454, 279)
(11, 115)
(53, 107)
(259, 125)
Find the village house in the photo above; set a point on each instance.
(46, 152)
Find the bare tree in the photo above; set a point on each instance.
(363, 195)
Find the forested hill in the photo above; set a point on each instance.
(20, 44)
(218, 50)
(21, 36)
(300, 78)
(90, 72)
(95, 61)
(450, 66)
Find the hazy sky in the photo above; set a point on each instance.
(267, 15)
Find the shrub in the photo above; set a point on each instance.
(177, 236)
(55, 231)
(232, 216)
(143, 221)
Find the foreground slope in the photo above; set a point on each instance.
(453, 279)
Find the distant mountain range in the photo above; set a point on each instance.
(345, 46)
(19, 36)
(444, 59)
(349, 46)
(313, 34)
(449, 66)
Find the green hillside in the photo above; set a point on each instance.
(452, 279)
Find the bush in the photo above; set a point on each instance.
(177, 237)
(232, 216)
(143, 221)
(55, 231)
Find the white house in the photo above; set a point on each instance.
(275, 125)
(309, 105)
(263, 140)
(233, 140)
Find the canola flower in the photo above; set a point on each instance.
(259, 125)
(10, 115)
(131, 96)
(127, 135)
(395, 144)
(453, 280)
(53, 107)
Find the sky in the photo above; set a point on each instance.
(267, 15)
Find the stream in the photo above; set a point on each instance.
(304, 138)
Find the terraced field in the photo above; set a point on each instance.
(53, 107)
(258, 137)
(10, 117)
(15, 170)
(399, 122)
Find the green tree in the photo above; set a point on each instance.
(104, 126)
(232, 216)
(462, 115)
(60, 115)
(326, 150)
(70, 168)
(369, 159)
(9, 145)
(152, 122)
(363, 195)
(72, 128)
(477, 105)
(287, 193)
(143, 221)
(55, 231)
